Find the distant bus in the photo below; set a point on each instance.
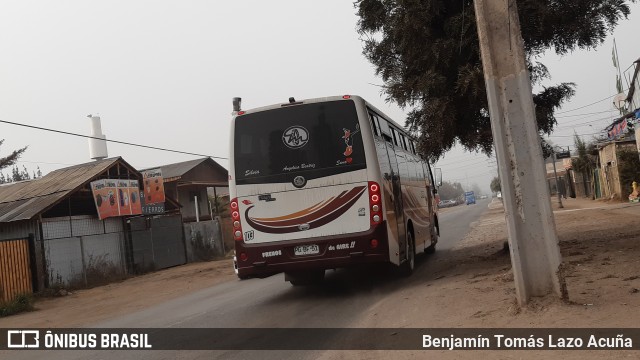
(470, 197)
(326, 183)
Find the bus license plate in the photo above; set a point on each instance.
(306, 250)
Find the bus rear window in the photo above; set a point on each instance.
(320, 139)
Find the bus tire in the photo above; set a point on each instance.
(435, 235)
(409, 264)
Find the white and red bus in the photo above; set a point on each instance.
(326, 183)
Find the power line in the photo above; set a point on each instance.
(586, 114)
(457, 163)
(42, 162)
(575, 135)
(113, 141)
(584, 123)
(593, 103)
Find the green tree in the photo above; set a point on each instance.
(20, 175)
(221, 203)
(583, 162)
(450, 190)
(11, 158)
(495, 184)
(428, 56)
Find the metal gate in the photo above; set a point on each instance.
(16, 276)
(157, 243)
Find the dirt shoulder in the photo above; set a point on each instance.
(472, 285)
(133, 294)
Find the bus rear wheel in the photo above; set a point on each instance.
(303, 278)
(409, 264)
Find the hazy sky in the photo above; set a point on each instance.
(163, 74)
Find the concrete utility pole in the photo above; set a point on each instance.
(535, 255)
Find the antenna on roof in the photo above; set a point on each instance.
(236, 104)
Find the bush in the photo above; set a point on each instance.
(22, 302)
(99, 271)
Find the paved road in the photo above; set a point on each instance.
(456, 222)
(342, 299)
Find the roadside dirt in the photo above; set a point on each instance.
(133, 294)
(468, 286)
(473, 286)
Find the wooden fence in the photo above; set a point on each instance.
(15, 268)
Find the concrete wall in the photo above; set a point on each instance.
(610, 177)
(204, 240)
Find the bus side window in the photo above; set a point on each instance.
(427, 172)
(374, 124)
(404, 142)
(395, 136)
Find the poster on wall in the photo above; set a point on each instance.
(153, 189)
(124, 198)
(105, 198)
(114, 197)
(112, 192)
(134, 197)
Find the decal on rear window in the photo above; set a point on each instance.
(295, 137)
(348, 140)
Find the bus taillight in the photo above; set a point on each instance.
(375, 203)
(235, 217)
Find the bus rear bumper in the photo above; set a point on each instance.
(263, 260)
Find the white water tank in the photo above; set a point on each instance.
(97, 147)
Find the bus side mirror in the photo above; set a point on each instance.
(438, 177)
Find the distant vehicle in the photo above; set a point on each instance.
(323, 184)
(447, 203)
(470, 197)
(483, 197)
(499, 195)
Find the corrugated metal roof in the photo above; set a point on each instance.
(172, 172)
(181, 168)
(25, 200)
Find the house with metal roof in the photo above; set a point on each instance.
(55, 217)
(187, 182)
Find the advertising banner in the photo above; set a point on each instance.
(153, 183)
(105, 198)
(153, 186)
(124, 198)
(134, 197)
(115, 197)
